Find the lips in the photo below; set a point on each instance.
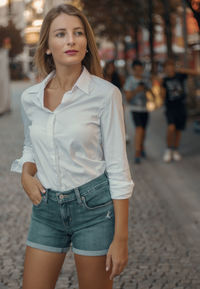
(71, 52)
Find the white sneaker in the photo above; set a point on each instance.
(176, 156)
(167, 156)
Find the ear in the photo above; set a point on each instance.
(48, 51)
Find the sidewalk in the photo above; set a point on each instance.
(164, 226)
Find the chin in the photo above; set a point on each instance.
(73, 62)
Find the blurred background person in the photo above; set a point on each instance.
(110, 73)
(174, 93)
(135, 89)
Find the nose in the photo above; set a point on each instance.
(70, 39)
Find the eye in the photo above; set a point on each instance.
(79, 33)
(60, 34)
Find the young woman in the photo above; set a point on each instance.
(111, 74)
(74, 165)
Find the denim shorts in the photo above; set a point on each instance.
(81, 218)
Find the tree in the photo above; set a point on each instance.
(168, 27)
(168, 11)
(14, 35)
(114, 19)
(151, 31)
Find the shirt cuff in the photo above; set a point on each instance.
(121, 191)
(17, 165)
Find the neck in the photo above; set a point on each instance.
(66, 77)
(171, 74)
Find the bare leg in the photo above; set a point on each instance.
(177, 138)
(143, 134)
(41, 269)
(138, 140)
(171, 131)
(92, 272)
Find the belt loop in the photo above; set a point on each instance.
(78, 196)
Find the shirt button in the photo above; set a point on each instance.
(61, 197)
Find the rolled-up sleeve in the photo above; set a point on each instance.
(114, 146)
(27, 154)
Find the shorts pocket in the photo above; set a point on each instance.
(97, 197)
(40, 203)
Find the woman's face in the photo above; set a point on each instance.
(111, 68)
(67, 40)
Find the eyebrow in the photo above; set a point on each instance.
(64, 29)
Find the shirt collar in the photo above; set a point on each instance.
(82, 82)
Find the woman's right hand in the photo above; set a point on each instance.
(32, 187)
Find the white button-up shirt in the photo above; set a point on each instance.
(80, 139)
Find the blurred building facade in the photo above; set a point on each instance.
(28, 15)
(14, 8)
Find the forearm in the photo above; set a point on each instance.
(121, 219)
(189, 71)
(131, 94)
(29, 168)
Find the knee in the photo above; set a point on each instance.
(171, 128)
(139, 129)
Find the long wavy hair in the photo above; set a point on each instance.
(45, 63)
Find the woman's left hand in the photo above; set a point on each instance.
(117, 257)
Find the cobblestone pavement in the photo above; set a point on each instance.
(164, 242)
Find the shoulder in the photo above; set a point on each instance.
(29, 93)
(181, 76)
(104, 87)
(109, 94)
(31, 90)
(129, 83)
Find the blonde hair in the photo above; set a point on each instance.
(45, 63)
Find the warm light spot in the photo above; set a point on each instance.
(3, 2)
(37, 22)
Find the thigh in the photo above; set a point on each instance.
(181, 119)
(170, 116)
(136, 118)
(93, 221)
(92, 272)
(41, 268)
(144, 119)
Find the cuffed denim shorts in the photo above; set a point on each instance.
(81, 218)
